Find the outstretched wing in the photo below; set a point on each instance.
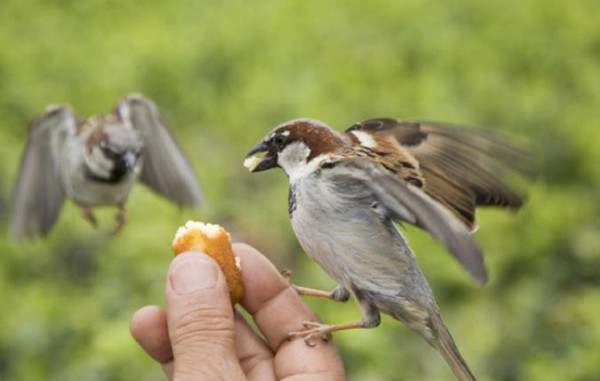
(410, 204)
(165, 169)
(461, 168)
(38, 195)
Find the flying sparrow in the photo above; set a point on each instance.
(347, 190)
(95, 162)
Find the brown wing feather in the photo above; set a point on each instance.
(462, 168)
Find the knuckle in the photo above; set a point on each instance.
(203, 325)
(254, 360)
(211, 367)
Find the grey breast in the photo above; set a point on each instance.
(339, 223)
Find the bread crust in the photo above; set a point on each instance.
(214, 241)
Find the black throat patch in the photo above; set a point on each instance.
(292, 200)
(116, 175)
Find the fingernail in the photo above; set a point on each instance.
(192, 274)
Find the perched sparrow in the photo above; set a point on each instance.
(347, 190)
(95, 162)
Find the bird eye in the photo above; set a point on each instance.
(279, 141)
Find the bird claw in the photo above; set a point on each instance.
(121, 218)
(287, 275)
(89, 216)
(312, 330)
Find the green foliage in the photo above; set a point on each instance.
(223, 73)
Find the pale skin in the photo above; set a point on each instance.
(199, 336)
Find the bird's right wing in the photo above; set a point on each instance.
(461, 168)
(38, 195)
(410, 204)
(166, 169)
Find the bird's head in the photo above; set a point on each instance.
(294, 146)
(113, 149)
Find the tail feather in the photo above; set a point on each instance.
(425, 319)
(448, 349)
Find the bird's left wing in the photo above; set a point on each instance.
(38, 195)
(410, 204)
(165, 168)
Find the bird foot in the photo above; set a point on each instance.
(340, 294)
(89, 216)
(287, 275)
(121, 218)
(313, 331)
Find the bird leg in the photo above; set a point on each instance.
(121, 218)
(339, 294)
(315, 330)
(88, 215)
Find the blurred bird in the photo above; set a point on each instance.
(95, 162)
(347, 190)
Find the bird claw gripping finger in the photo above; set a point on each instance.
(287, 275)
(312, 331)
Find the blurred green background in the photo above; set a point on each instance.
(223, 73)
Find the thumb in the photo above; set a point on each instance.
(200, 320)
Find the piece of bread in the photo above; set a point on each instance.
(215, 242)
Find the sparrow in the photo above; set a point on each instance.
(347, 191)
(95, 162)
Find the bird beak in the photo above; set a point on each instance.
(256, 163)
(129, 159)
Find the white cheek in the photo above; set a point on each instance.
(293, 161)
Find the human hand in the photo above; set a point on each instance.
(201, 337)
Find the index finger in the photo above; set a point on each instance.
(277, 310)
